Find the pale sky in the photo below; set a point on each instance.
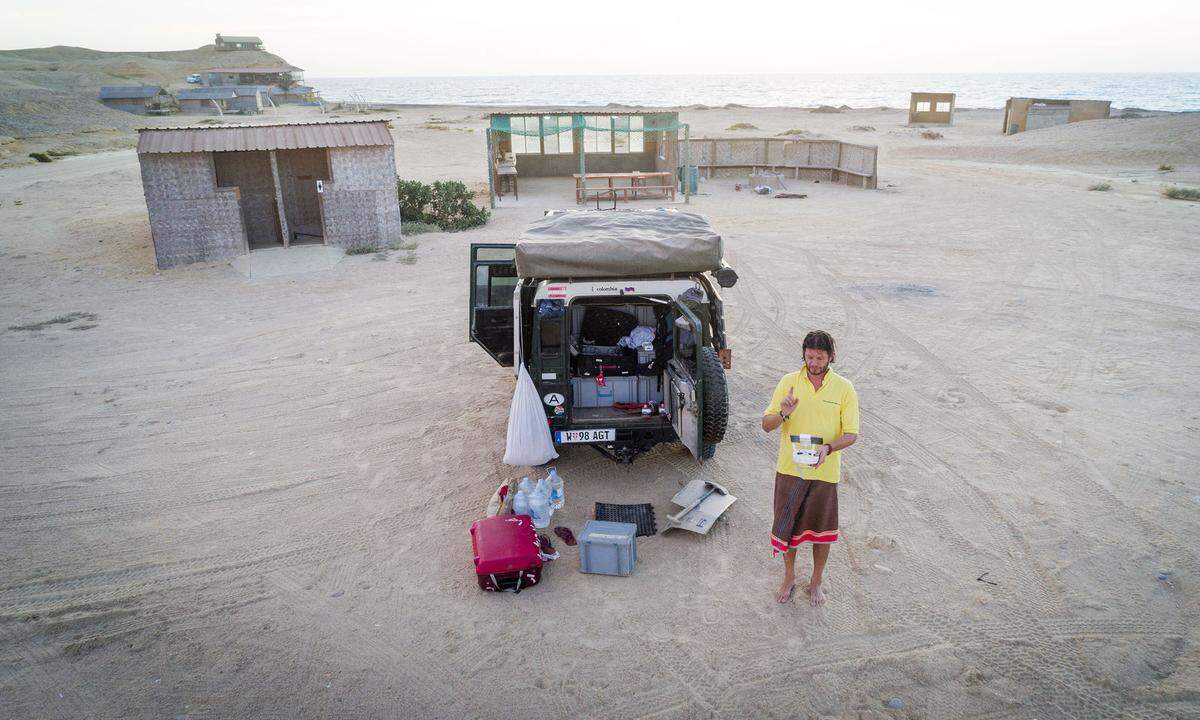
(588, 37)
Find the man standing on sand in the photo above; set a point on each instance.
(812, 401)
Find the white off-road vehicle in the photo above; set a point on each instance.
(616, 317)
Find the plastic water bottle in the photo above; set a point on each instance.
(556, 490)
(521, 499)
(539, 510)
(521, 503)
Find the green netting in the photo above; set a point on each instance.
(501, 124)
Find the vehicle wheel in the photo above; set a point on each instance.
(716, 396)
(710, 449)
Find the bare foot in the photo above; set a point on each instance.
(784, 594)
(816, 596)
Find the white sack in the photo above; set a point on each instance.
(529, 441)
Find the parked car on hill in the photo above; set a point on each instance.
(193, 78)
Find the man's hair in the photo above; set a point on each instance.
(819, 340)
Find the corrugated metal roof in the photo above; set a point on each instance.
(247, 90)
(122, 92)
(240, 39)
(217, 93)
(293, 90)
(271, 69)
(264, 137)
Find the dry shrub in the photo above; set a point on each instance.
(1178, 193)
(931, 135)
(742, 126)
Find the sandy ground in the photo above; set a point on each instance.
(231, 498)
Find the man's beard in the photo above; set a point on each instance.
(822, 371)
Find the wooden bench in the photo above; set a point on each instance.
(664, 186)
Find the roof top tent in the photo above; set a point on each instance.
(574, 143)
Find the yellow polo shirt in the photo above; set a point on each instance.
(827, 413)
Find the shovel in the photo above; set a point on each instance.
(703, 502)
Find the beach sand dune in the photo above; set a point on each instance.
(231, 498)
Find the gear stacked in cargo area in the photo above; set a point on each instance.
(593, 365)
(599, 334)
(606, 326)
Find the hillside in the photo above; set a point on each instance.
(47, 91)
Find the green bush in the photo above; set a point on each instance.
(1165, 168)
(453, 207)
(41, 157)
(1182, 193)
(414, 197)
(362, 250)
(1100, 187)
(446, 205)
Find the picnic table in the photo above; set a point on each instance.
(639, 183)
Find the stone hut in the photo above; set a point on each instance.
(930, 108)
(207, 101)
(137, 99)
(1021, 114)
(217, 192)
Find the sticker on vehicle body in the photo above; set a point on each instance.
(553, 399)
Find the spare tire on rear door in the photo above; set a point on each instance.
(716, 396)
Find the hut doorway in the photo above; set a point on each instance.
(249, 174)
(302, 178)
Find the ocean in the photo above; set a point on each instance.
(1149, 91)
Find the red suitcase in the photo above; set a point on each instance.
(507, 553)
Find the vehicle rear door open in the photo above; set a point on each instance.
(685, 398)
(493, 280)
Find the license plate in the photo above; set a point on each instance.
(585, 436)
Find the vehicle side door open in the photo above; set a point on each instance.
(493, 280)
(685, 397)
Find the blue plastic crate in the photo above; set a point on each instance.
(608, 548)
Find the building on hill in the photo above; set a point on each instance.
(214, 193)
(137, 99)
(299, 94)
(238, 42)
(250, 98)
(271, 75)
(207, 101)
